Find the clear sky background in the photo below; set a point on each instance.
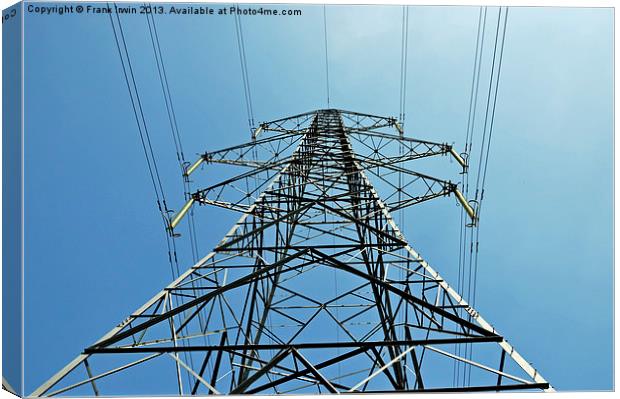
(95, 247)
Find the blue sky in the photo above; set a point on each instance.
(95, 248)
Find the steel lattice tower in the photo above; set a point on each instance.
(315, 288)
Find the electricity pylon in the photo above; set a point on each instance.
(315, 289)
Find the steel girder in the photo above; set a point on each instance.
(315, 289)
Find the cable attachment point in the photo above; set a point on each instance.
(465, 157)
(466, 205)
(189, 170)
(179, 216)
(398, 127)
(256, 132)
(462, 161)
(474, 205)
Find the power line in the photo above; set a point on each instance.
(402, 99)
(472, 112)
(245, 78)
(171, 238)
(486, 161)
(484, 154)
(403, 64)
(176, 134)
(147, 147)
(486, 117)
(473, 97)
(474, 240)
(326, 54)
(171, 118)
(163, 78)
(139, 116)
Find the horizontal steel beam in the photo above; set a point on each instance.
(304, 345)
(483, 388)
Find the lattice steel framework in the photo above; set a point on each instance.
(315, 288)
